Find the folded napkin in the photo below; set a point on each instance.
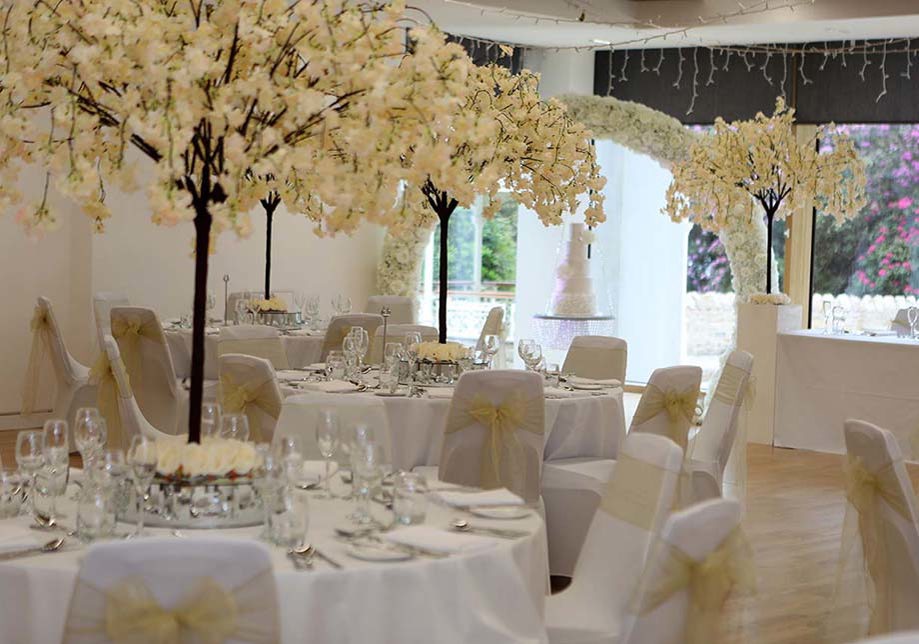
(291, 374)
(437, 540)
(440, 392)
(331, 387)
(314, 471)
(610, 382)
(555, 392)
(16, 538)
(500, 496)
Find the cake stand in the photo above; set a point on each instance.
(557, 331)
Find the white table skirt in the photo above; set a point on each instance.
(586, 425)
(302, 350)
(490, 596)
(822, 380)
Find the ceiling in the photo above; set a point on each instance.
(660, 23)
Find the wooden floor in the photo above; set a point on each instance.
(794, 517)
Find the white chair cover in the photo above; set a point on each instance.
(299, 414)
(900, 322)
(636, 502)
(597, 357)
(234, 297)
(253, 340)
(402, 308)
(396, 333)
(494, 433)
(877, 581)
(340, 325)
(189, 591)
(103, 301)
(668, 404)
(248, 386)
(149, 364)
(701, 558)
(73, 388)
(494, 325)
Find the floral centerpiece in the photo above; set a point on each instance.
(272, 305)
(442, 352)
(212, 459)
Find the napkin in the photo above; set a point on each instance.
(437, 540)
(440, 392)
(500, 496)
(610, 382)
(314, 471)
(291, 374)
(555, 392)
(331, 387)
(299, 332)
(18, 538)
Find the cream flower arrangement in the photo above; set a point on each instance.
(441, 352)
(275, 304)
(213, 458)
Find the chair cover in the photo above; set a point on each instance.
(396, 333)
(402, 308)
(900, 322)
(877, 580)
(103, 301)
(253, 340)
(700, 559)
(233, 297)
(668, 403)
(188, 591)
(71, 378)
(494, 325)
(149, 365)
(494, 433)
(636, 502)
(340, 326)
(248, 386)
(299, 414)
(597, 357)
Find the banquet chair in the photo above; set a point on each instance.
(680, 599)
(718, 441)
(162, 399)
(103, 301)
(571, 487)
(494, 325)
(597, 357)
(234, 297)
(900, 322)
(402, 308)
(340, 326)
(253, 340)
(72, 386)
(396, 333)
(485, 403)
(123, 586)
(668, 404)
(248, 386)
(636, 502)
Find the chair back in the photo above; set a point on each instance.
(900, 322)
(103, 301)
(495, 433)
(635, 504)
(494, 325)
(66, 368)
(667, 406)
(253, 340)
(340, 326)
(396, 333)
(597, 357)
(248, 386)
(402, 308)
(126, 590)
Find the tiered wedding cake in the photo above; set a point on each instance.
(574, 289)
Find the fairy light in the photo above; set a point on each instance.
(679, 77)
(909, 63)
(711, 68)
(765, 66)
(660, 61)
(804, 78)
(695, 80)
(784, 73)
(625, 63)
(884, 75)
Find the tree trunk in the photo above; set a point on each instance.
(769, 217)
(442, 310)
(269, 213)
(203, 222)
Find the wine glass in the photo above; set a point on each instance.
(142, 459)
(210, 419)
(411, 342)
(361, 342)
(299, 301)
(327, 437)
(242, 309)
(367, 472)
(56, 461)
(268, 482)
(341, 304)
(29, 458)
(234, 427)
(312, 310)
(524, 349)
(491, 343)
(209, 304)
(89, 433)
(111, 475)
(56, 441)
(349, 350)
(391, 353)
(912, 315)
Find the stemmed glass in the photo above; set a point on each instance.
(210, 304)
(29, 458)
(341, 304)
(242, 309)
(391, 353)
(349, 349)
(268, 482)
(411, 342)
(490, 345)
(312, 311)
(210, 419)
(55, 468)
(142, 459)
(361, 343)
(89, 434)
(912, 315)
(235, 427)
(530, 352)
(327, 437)
(827, 316)
(299, 301)
(367, 471)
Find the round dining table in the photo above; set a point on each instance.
(490, 593)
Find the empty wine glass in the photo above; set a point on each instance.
(210, 304)
(210, 419)
(327, 437)
(235, 427)
(367, 472)
(142, 459)
(89, 433)
(29, 458)
(341, 304)
(299, 301)
(391, 353)
(312, 311)
(411, 342)
(490, 344)
(525, 350)
(361, 342)
(56, 441)
(912, 315)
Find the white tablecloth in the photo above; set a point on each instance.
(302, 350)
(822, 380)
(493, 595)
(583, 425)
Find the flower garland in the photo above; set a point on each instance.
(400, 264)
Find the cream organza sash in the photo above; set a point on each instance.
(596, 362)
(503, 421)
(129, 332)
(634, 492)
(128, 613)
(680, 407)
(709, 583)
(244, 398)
(41, 340)
(107, 395)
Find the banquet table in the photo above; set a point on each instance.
(822, 380)
(302, 347)
(491, 594)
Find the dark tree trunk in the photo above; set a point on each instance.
(443, 206)
(203, 222)
(770, 215)
(270, 205)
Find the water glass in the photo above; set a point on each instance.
(410, 501)
(95, 514)
(269, 482)
(142, 459)
(490, 345)
(335, 365)
(367, 473)
(234, 427)
(50, 484)
(553, 375)
(411, 342)
(290, 520)
(11, 494)
(327, 438)
(111, 474)
(55, 440)
(341, 304)
(391, 353)
(29, 458)
(210, 419)
(89, 433)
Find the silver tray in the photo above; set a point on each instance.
(280, 319)
(199, 507)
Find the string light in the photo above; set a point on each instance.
(695, 80)
(679, 77)
(884, 75)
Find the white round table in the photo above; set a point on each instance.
(492, 595)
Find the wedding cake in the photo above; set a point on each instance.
(574, 289)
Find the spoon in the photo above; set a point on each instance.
(47, 522)
(308, 550)
(52, 546)
(302, 557)
(461, 525)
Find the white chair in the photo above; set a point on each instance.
(652, 415)
(340, 325)
(103, 301)
(636, 502)
(572, 487)
(495, 432)
(253, 340)
(73, 388)
(162, 399)
(396, 333)
(667, 609)
(494, 325)
(402, 308)
(248, 386)
(125, 590)
(718, 440)
(900, 322)
(597, 357)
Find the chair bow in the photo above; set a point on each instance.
(128, 332)
(108, 392)
(239, 398)
(133, 616)
(679, 405)
(41, 327)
